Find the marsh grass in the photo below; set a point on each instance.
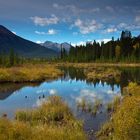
(112, 106)
(53, 120)
(82, 104)
(125, 120)
(90, 107)
(30, 73)
(103, 73)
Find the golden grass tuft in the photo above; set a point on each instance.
(29, 73)
(51, 121)
(125, 121)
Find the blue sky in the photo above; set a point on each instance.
(72, 21)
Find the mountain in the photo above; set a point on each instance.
(23, 47)
(56, 46)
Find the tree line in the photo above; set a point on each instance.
(10, 59)
(125, 49)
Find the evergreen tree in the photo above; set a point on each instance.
(11, 57)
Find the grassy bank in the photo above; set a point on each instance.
(125, 121)
(53, 120)
(29, 73)
(49, 71)
(85, 65)
(96, 72)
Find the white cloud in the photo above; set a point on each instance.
(39, 42)
(40, 33)
(79, 43)
(110, 30)
(87, 27)
(45, 21)
(53, 91)
(51, 32)
(103, 40)
(74, 9)
(136, 26)
(122, 25)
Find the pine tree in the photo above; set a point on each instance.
(11, 57)
(117, 52)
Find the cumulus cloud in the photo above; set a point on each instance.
(87, 27)
(126, 26)
(50, 32)
(45, 21)
(79, 43)
(40, 33)
(39, 42)
(122, 25)
(74, 9)
(111, 30)
(105, 40)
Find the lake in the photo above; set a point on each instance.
(72, 87)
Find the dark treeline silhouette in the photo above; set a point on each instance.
(125, 49)
(10, 59)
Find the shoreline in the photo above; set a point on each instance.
(34, 73)
(100, 64)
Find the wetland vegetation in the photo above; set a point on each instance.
(54, 113)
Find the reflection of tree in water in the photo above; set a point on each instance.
(6, 89)
(127, 75)
(74, 73)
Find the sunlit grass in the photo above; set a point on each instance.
(125, 120)
(29, 73)
(53, 120)
(102, 73)
(89, 107)
(112, 106)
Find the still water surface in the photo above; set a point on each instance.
(72, 88)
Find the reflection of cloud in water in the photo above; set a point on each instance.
(39, 102)
(41, 91)
(50, 91)
(75, 89)
(53, 91)
(86, 94)
(111, 92)
(91, 95)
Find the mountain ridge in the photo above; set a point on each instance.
(23, 47)
(57, 46)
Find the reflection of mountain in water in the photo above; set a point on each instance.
(6, 89)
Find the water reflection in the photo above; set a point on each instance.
(6, 89)
(73, 87)
(128, 74)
